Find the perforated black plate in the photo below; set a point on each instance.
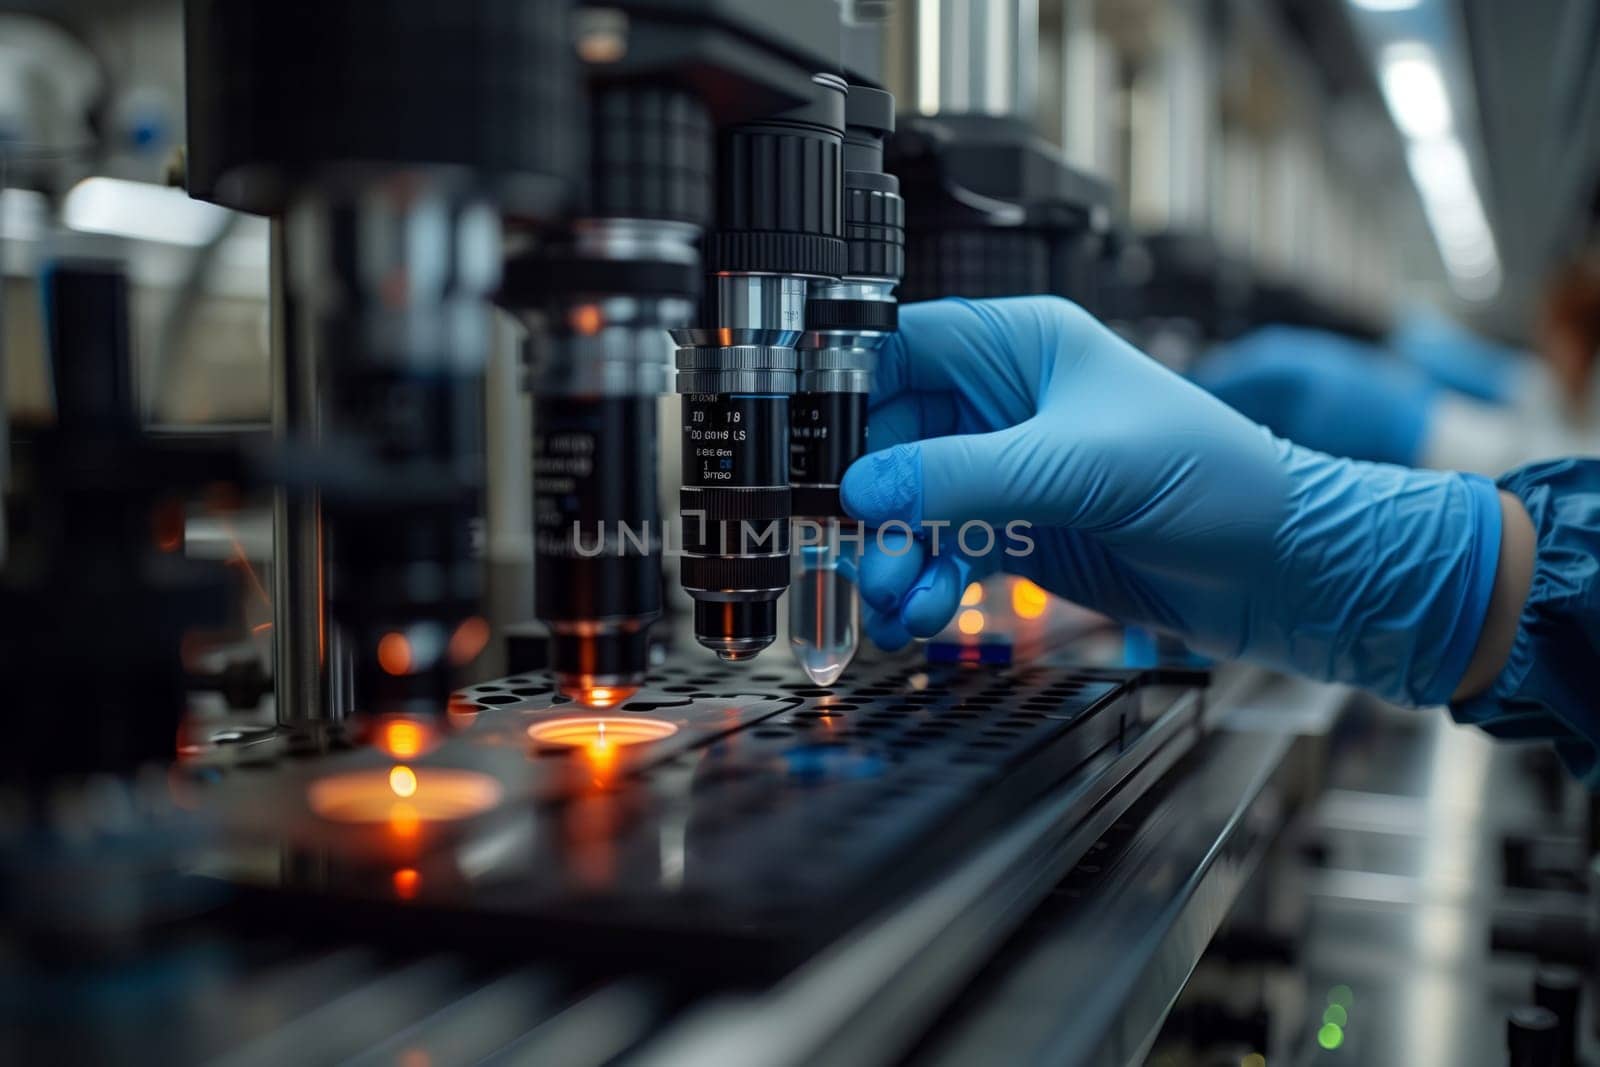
(777, 815)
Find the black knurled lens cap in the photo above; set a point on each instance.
(875, 225)
(650, 149)
(780, 191)
(767, 252)
(737, 572)
(878, 315)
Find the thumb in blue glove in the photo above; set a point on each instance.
(1153, 502)
(1324, 391)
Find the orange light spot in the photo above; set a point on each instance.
(602, 696)
(600, 732)
(970, 622)
(404, 738)
(394, 653)
(1028, 600)
(404, 822)
(586, 319)
(403, 782)
(470, 638)
(972, 596)
(406, 882)
(378, 796)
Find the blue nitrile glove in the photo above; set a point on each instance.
(1456, 358)
(1325, 392)
(1547, 688)
(1155, 503)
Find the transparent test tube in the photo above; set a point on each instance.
(824, 603)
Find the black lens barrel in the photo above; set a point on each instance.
(404, 578)
(780, 226)
(779, 191)
(847, 320)
(597, 534)
(827, 433)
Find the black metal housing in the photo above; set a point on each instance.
(992, 209)
(280, 91)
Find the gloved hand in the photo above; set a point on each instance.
(1155, 503)
(1325, 392)
(1458, 359)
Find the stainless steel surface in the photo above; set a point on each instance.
(623, 240)
(753, 309)
(308, 689)
(840, 361)
(1401, 910)
(622, 349)
(1095, 988)
(616, 345)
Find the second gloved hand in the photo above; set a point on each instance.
(1155, 503)
(1324, 391)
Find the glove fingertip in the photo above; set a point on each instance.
(932, 603)
(886, 631)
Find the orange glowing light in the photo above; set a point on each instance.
(972, 596)
(404, 738)
(406, 882)
(394, 653)
(600, 732)
(1028, 600)
(601, 696)
(970, 622)
(404, 822)
(470, 638)
(403, 782)
(261, 627)
(586, 319)
(403, 797)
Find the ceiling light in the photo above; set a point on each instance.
(1455, 214)
(1415, 91)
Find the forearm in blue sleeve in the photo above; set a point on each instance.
(1548, 688)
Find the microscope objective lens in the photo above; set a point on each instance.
(846, 322)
